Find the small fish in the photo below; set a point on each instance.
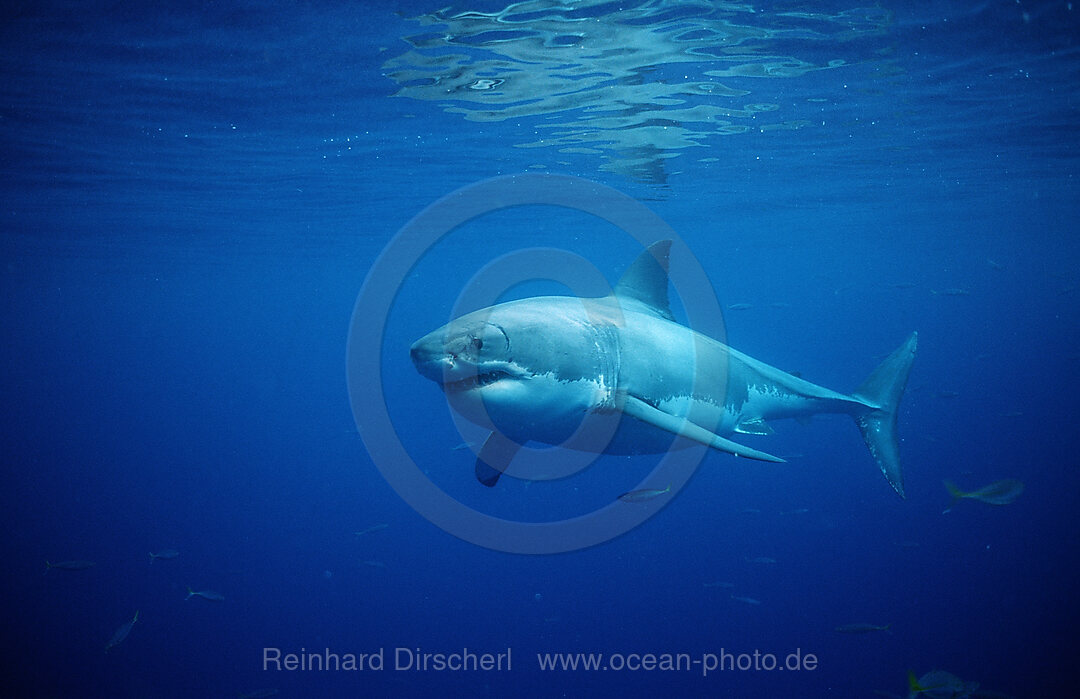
(939, 683)
(740, 306)
(997, 493)
(780, 304)
(121, 633)
(747, 600)
(948, 394)
(205, 594)
(764, 560)
(749, 511)
(1012, 413)
(904, 285)
(166, 555)
(69, 565)
(724, 585)
(644, 495)
(994, 264)
(861, 628)
(372, 529)
(951, 292)
(374, 564)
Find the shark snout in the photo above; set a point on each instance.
(434, 360)
(429, 357)
(417, 353)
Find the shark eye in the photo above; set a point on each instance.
(488, 339)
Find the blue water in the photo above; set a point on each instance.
(192, 197)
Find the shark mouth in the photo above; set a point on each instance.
(477, 380)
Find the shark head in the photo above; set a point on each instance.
(531, 368)
(467, 356)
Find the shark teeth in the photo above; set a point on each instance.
(478, 380)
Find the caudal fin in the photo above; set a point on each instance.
(882, 391)
(956, 493)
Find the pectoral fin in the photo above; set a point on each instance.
(641, 410)
(495, 457)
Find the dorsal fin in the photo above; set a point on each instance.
(646, 280)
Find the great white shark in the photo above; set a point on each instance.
(539, 369)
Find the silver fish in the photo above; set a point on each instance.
(205, 594)
(121, 633)
(644, 495)
(166, 555)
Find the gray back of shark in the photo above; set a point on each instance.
(543, 368)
